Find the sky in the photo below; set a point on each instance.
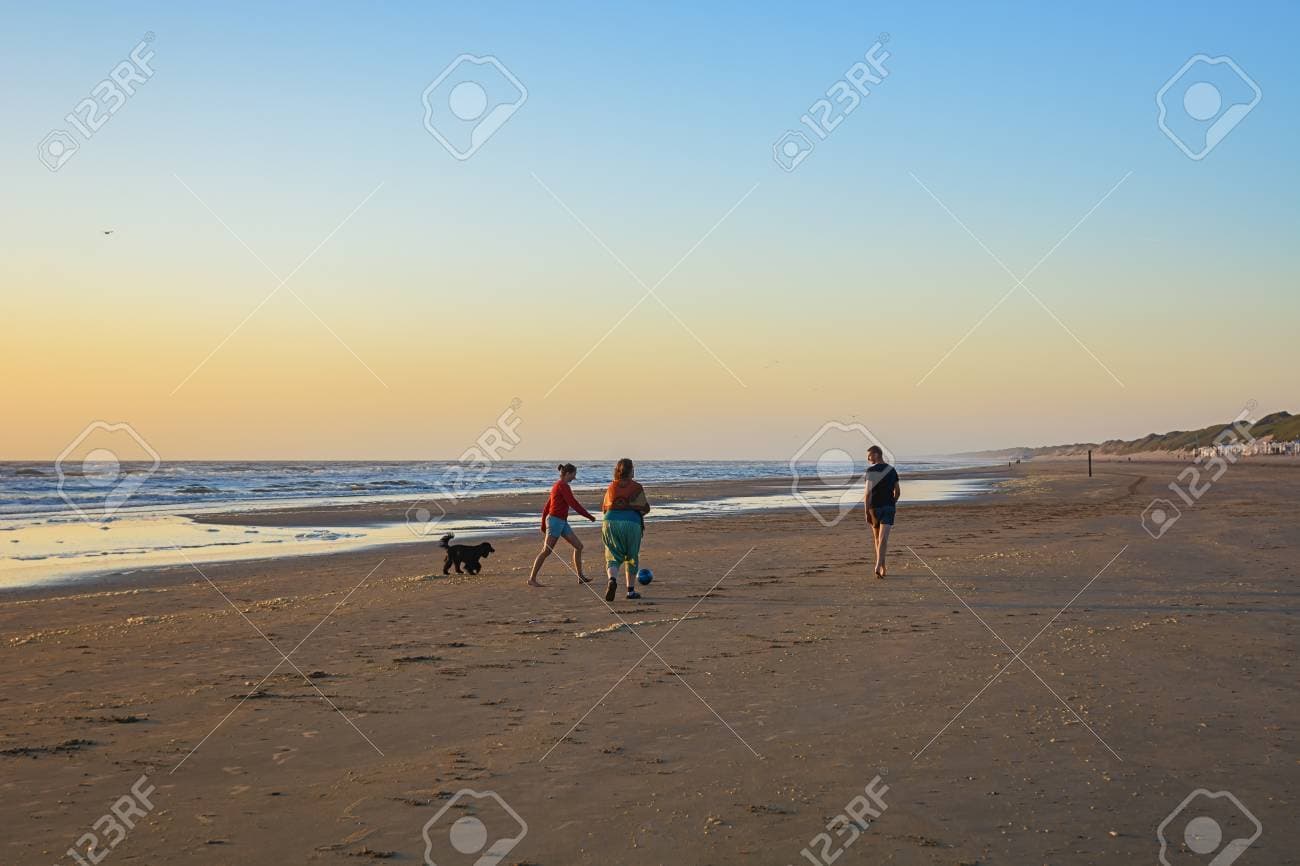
(299, 269)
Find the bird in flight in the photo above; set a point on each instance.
(109, 231)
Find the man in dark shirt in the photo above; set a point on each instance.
(880, 500)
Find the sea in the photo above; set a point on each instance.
(64, 524)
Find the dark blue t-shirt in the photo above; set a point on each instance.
(881, 480)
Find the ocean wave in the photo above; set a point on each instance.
(379, 485)
(29, 490)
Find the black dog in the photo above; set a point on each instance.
(467, 555)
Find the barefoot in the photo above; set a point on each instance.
(534, 582)
(583, 579)
(880, 571)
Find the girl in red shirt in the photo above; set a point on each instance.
(555, 523)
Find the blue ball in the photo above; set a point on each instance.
(644, 576)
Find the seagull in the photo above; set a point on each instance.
(109, 231)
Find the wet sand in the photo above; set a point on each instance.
(787, 678)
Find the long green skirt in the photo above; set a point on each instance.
(622, 543)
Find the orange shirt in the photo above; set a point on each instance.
(625, 495)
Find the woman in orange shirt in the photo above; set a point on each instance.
(625, 508)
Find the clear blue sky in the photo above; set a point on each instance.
(650, 121)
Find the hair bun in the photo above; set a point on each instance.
(559, 468)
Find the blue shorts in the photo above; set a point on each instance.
(882, 515)
(558, 527)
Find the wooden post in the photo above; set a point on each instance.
(1089, 462)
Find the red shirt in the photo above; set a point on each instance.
(560, 501)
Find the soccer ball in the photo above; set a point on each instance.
(644, 576)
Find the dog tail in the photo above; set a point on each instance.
(446, 538)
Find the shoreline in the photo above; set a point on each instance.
(375, 512)
(495, 515)
(508, 515)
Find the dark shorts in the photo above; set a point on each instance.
(881, 515)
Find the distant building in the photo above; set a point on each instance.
(1265, 445)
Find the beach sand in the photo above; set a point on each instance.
(795, 679)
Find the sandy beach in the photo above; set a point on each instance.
(280, 321)
(763, 682)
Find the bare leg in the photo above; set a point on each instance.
(881, 549)
(547, 546)
(572, 538)
(875, 540)
(612, 588)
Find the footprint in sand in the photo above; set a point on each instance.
(239, 789)
(283, 754)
